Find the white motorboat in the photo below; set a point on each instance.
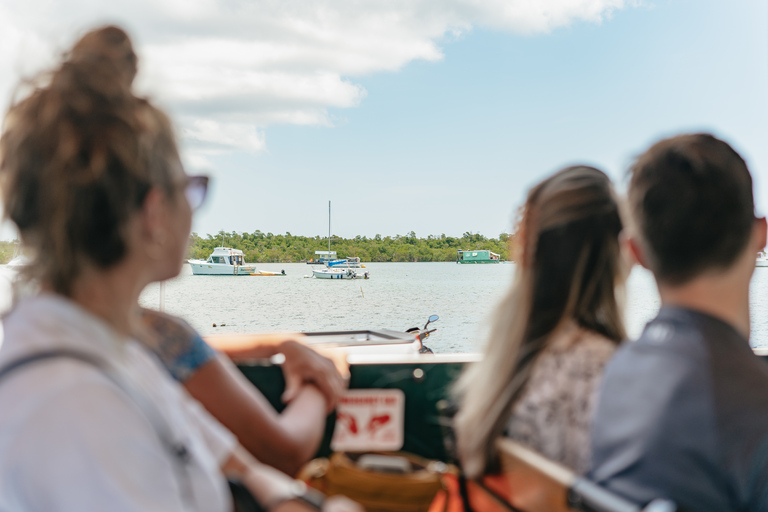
(223, 261)
(339, 273)
(762, 259)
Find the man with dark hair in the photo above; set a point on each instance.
(683, 411)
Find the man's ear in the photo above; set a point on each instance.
(633, 248)
(761, 228)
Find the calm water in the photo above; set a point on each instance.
(398, 296)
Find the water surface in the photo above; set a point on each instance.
(398, 296)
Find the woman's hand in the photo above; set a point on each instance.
(305, 366)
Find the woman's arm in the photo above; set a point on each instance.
(285, 441)
(313, 386)
(302, 364)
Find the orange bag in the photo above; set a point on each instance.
(491, 494)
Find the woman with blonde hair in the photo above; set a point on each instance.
(553, 332)
(91, 177)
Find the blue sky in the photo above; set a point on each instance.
(447, 138)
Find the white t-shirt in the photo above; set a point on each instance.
(72, 440)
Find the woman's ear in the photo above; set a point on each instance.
(154, 224)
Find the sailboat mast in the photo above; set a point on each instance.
(329, 229)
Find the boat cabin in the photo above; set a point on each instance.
(226, 256)
(479, 256)
(324, 256)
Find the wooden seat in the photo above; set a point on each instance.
(538, 484)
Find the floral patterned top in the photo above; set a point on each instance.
(554, 413)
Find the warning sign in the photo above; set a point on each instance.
(369, 419)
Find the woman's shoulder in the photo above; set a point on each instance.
(576, 354)
(179, 347)
(577, 341)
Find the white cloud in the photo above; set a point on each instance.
(230, 68)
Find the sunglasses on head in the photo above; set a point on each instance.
(196, 191)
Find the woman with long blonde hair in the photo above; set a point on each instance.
(553, 332)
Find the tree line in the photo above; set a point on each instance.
(7, 250)
(259, 247)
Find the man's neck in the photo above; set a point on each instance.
(717, 295)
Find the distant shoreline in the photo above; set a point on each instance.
(259, 247)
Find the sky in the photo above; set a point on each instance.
(433, 116)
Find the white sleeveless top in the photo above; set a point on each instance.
(72, 440)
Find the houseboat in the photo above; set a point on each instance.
(480, 256)
(323, 258)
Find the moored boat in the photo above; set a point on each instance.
(339, 273)
(762, 259)
(351, 262)
(478, 256)
(223, 261)
(268, 273)
(323, 257)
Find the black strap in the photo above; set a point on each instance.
(52, 354)
(464, 493)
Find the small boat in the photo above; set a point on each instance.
(223, 261)
(267, 273)
(339, 273)
(323, 258)
(351, 262)
(480, 256)
(762, 259)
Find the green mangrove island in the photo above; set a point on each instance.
(261, 247)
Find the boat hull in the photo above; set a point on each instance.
(334, 274)
(203, 268)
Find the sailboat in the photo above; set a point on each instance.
(335, 270)
(323, 257)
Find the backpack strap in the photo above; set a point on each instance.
(177, 449)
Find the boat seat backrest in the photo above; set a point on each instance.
(537, 484)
